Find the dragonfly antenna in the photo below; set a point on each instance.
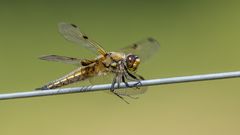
(162, 81)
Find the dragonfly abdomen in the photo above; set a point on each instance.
(80, 74)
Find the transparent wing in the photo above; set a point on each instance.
(143, 49)
(63, 59)
(72, 33)
(107, 78)
(131, 91)
(103, 78)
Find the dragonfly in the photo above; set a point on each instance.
(120, 66)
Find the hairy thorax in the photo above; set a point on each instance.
(113, 62)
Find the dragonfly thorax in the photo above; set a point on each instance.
(113, 59)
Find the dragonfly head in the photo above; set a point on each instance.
(132, 62)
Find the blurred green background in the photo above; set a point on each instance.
(196, 37)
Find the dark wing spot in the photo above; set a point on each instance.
(72, 58)
(86, 62)
(151, 39)
(135, 46)
(85, 37)
(75, 26)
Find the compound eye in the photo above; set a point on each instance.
(132, 62)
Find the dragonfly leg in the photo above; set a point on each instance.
(113, 83)
(120, 97)
(124, 81)
(118, 81)
(127, 77)
(140, 78)
(135, 78)
(132, 79)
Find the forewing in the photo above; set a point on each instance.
(63, 59)
(143, 49)
(72, 33)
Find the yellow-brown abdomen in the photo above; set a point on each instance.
(79, 74)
